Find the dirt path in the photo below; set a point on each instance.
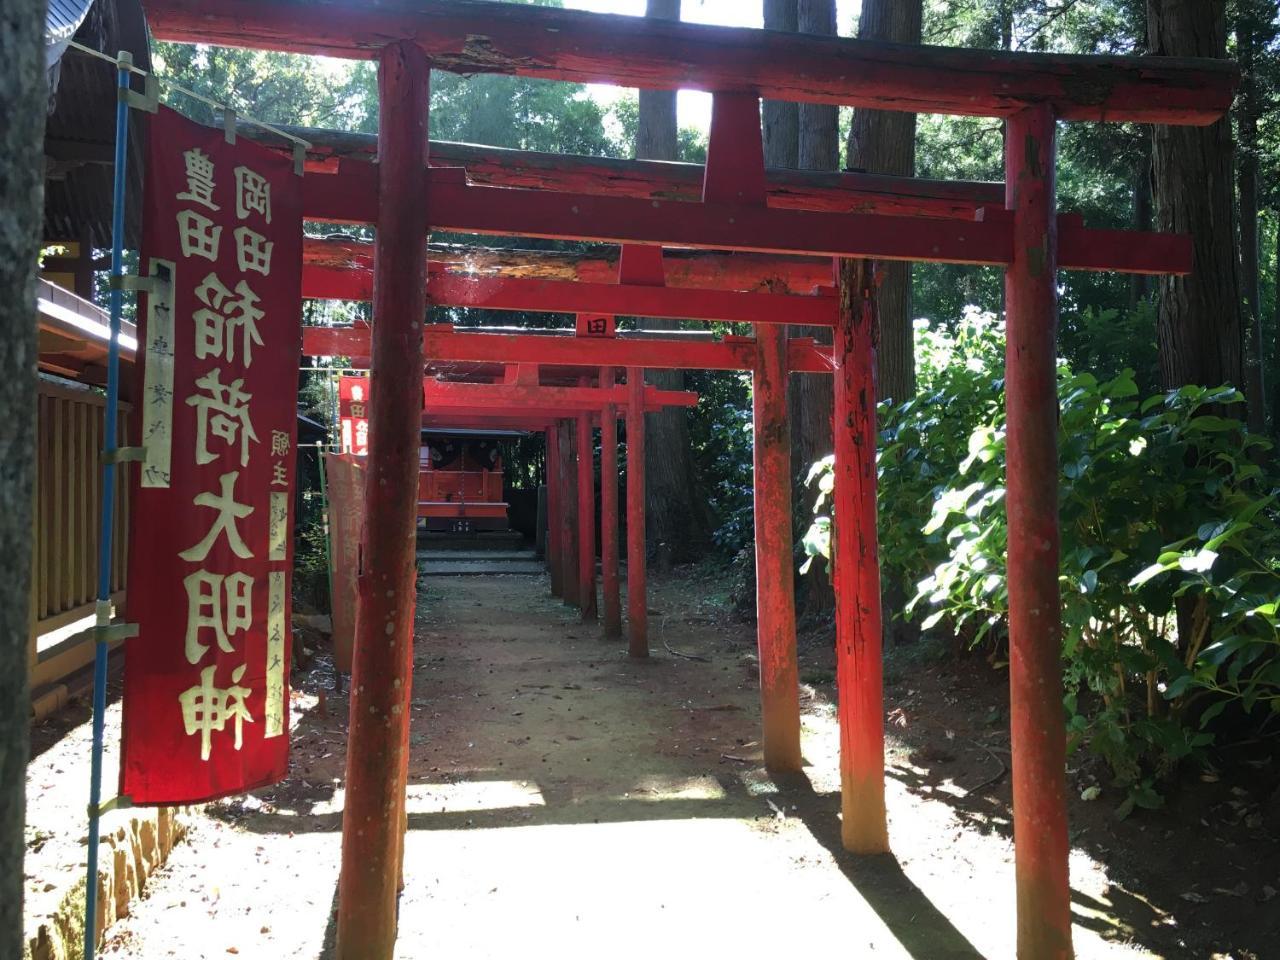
(567, 802)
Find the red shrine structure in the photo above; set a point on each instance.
(460, 486)
(731, 241)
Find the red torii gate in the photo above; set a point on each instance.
(521, 401)
(406, 199)
(518, 357)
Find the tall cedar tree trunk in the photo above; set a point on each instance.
(22, 77)
(881, 141)
(885, 142)
(781, 119)
(1199, 328)
(1140, 283)
(1275, 324)
(810, 400)
(676, 516)
(1248, 113)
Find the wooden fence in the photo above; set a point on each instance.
(68, 504)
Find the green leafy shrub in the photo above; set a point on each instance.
(1169, 573)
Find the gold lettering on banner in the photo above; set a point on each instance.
(279, 443)
(229, 511)
(228, 314)
(274, 725)
(253, 251)
(222, 410)
(205, 610)
(199, 235)
(199, 178)
(253, 194)
(206, 708)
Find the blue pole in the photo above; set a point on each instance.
(108, 503)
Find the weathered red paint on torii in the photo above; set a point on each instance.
(342, 268)
(1032, 90)
(656, 179)
(443, 343)
(521, 399)
(465, 36)
(461, 207)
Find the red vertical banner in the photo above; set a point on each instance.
(353, 414)
(206, 690)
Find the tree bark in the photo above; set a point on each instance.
(781, 117)
(1275, 322)
(885, 142)
(677, 523)
(1248, 113)
(22, 76)
(810, 398)
(1139, 283)
(1199, 328)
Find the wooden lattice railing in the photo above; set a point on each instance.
(66, 515)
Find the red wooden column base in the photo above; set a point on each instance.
(1037, 725)
(609, 520)
(637, 598)
(554, 520)
(586, 520)
(372, 822)
(859, 667)
(775, 578)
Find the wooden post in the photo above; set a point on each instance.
(555, 521)
(859, 669)
(586, 520)
(637, 600)
(775, 574)
(569, 578)
(609, 513)
(383, 665)
(1037, 726)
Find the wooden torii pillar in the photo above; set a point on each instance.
(554, 520)
(570, 582)
(586, 519)
(735, 174)
(382, 672)
(1037, 726)
(856, 568)
(637, 575)
(610, 587)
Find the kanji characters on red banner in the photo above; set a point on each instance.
(353, 414)
(206, 698)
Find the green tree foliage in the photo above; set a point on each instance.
(268, 86)
(1160, 500)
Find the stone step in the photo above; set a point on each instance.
(472, 568)
(435, 554)
(495, 540)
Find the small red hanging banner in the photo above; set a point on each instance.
(353, 414)
(206, 687)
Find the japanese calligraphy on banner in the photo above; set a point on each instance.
(206, 688)
(345, 476)
(353, 414)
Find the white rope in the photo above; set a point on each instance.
(305, 144)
